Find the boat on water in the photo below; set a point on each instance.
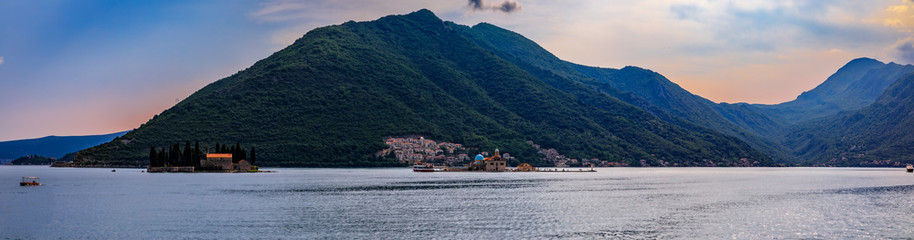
(423, 167)
(910, 168)
(29, 181)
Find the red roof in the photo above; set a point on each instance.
(218, 155)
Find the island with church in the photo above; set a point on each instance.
(220, 158)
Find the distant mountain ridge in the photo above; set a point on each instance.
(881, 134)
(331, 97)
(855, 85)
(53, 146)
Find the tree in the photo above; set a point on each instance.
(153, 156)
(197, 154)
(235, 157)
(253, 158)
(175, 154)
(162, 157)
(188, 158)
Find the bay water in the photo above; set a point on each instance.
(396, 203)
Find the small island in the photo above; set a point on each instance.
(33, 160)
(226, 159)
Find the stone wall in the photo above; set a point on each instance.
(170, 169)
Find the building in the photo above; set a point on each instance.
(524, 167)
(220, 161)
(223, 161)
(242, 166)
(489, 164)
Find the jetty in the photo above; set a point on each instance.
(563, 170)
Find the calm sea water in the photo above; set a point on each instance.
(635, 203)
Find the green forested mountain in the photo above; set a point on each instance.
(767, 128)
(330, 98)
(881, 134)
(640, 87)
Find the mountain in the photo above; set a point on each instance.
(881, 134)
(640, 87)
(854, 86)
(765, 127)
(331, 97)
(54, 146)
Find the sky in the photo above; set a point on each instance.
(101, 66)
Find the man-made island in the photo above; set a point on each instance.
(193, 159)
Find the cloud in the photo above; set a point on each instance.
(897, 16)
(507, 6)
(684, 12)
(903, 49)
(1, 60)
(278, 11)
(897, 9)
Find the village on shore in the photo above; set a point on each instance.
(417, 150)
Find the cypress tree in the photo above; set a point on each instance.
(253, 158)
(162, 157)
(197, 149)
(152, 156)
(188, 158)
(175, 154)
(197, 154)
(234, 155)
(168, 162)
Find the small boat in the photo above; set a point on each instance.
(113, 170)
(29, 181)
(423, 167)
(910, 168)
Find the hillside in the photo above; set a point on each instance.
(331, 97)
(881, 134)
(54, 146)
(765, 127)
(640, 87)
